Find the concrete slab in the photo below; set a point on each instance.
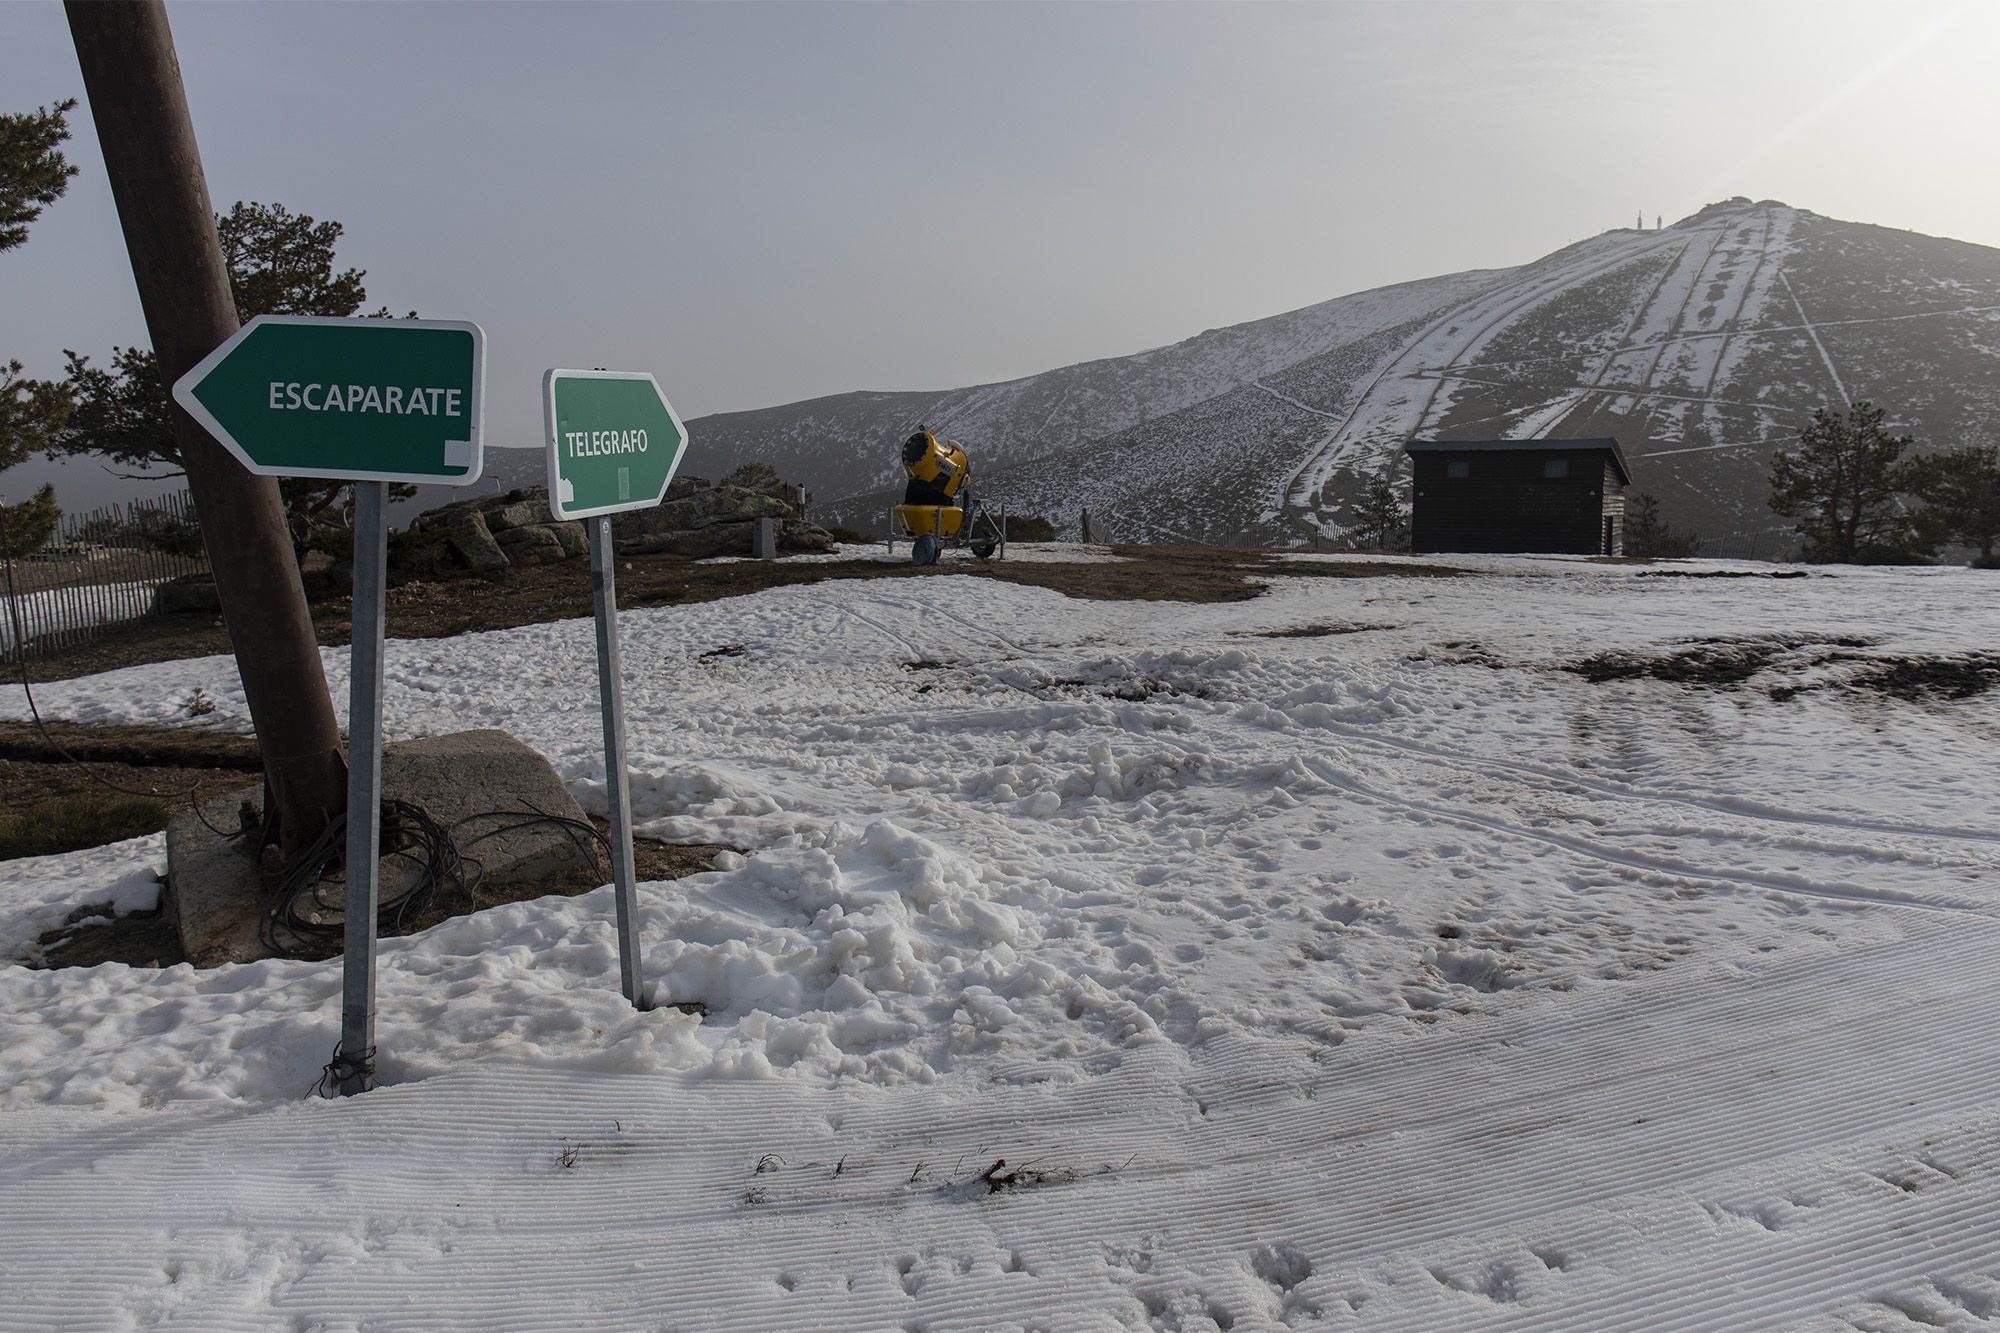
(484, 786)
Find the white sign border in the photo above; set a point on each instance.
(184, 388)
(549, 379)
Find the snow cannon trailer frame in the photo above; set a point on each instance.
(938, 513)
(932, 530)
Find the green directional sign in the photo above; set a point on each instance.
(614, 441)
(354, 399)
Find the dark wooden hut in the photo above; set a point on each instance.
(1518, 495)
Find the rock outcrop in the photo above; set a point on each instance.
(513, 529)
(698, 520)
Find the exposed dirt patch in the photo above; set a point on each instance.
(1320, 631)
(1912, 679)
(543, 593)
(1712, 662)
(1725, 574)
(1459, 652)
(92, 935)
(160, 765)
(1919, 678)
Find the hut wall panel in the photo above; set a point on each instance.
(1505, 504)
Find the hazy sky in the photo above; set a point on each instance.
(766, 202)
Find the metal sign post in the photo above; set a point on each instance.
(354, 1067)
(614, 444)
(369, 401)
(617, 780)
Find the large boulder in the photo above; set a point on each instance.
(531, 545)
(485, 787)
(725, 539)
(188, 595)
(473, 541)
(703, 508)
(513, 529)
(518, 514)
(476, 534)
(702, 521)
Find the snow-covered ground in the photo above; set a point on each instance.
(1386, 976)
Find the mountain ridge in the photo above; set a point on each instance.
(1702, 345)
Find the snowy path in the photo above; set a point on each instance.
(1653, 1158)
(1402, 976)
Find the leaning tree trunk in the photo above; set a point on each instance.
(134, 83)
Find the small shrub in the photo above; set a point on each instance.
(83, 819)
(1029, 528)
(198, 704)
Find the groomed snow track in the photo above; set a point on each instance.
(1812, 1145)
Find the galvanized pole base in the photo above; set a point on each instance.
(354, 1067)
(617, 783)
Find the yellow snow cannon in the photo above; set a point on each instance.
(937, 513)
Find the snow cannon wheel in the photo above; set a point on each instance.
(984, 550)
(924, 550)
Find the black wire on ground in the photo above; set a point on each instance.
(309, 917)
(337, 1071)
(303, 917)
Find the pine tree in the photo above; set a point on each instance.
(33, 171)
(1381, 519)
(1961, 489)
(1843, 487)
(25, 528)
(1649, 535)
(280, 263)
(33, 175)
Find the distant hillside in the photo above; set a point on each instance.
(1702, 346)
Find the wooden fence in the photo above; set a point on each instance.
(102, 568)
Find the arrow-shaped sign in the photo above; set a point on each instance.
(353, 399)
(614, 441)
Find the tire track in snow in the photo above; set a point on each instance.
(1739, 808)
(1647, 863)
(886, 634)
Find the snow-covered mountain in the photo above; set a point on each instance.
(1703, 346)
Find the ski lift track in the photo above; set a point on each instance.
(1732, 326)
(1624, 343)
(1523, 293)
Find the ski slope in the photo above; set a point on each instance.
(1387, 974)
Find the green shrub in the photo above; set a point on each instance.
(1029, 528)
(82, 819)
